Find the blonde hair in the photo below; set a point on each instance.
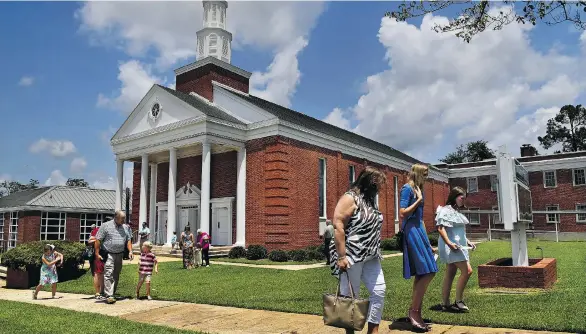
(148, 245)
(417, 176)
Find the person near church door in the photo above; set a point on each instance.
(328, 236)
(186, 244)
(204, 240)
(144, 233)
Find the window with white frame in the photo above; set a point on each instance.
(473, 218)
(351, 174)
(85, 224)
(494, 182)
(322, 187)
(1, 230)
(496, 217)
(472, 183)
(553, 217)
(13, 230)
(396, 185)
(53, 225)
(581, 217)
(549, 179)
(579, 177)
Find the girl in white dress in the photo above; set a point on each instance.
(453, 248)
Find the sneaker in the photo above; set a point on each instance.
(207, 265)
(97, 296)
(100, 297)
(460, 304)
(111, 300)
(149, 298)
(34, 295)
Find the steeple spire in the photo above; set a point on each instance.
(213, 39)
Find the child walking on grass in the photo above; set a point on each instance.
(148, 260)
(49, 269)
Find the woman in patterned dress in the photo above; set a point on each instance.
(451, 225)
(187, 243)
(49, 270)
(418, 259)
(356, 246)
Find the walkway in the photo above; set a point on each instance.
(215, 319)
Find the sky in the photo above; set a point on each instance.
(71, 72)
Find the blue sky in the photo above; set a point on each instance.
(60, 62)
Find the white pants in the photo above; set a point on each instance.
(371, 273)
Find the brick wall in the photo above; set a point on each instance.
(200, 80)
(483, 199)
(283, 192)
(72, 229)
(29, 226)
(5, 229)
(222, 182)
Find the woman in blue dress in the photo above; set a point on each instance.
(453, 248)
(418, 259)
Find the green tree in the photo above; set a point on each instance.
(11, 187)
(77, 183)
(475, 16)
(471, 152)
(568, 127)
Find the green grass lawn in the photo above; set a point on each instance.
(27, 318)
(561, 308)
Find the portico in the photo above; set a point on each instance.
(158, 138)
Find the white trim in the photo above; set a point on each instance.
(557, 216)
(577, 215)
(468, 184)
(396, 186)
(324, 213)
(555, 178)
(62, 223)
(2, 221)
(565, 163)
(206, 101)
(473, 213)
(233, 90)
(574, 178)
(188, 195)
(212, 60)
(85, 224)
(471, 171)
(221, 202)
(13, 235)
(55, 209)
(493, 182)
(492, 216)
(241, 198)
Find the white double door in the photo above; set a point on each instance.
(221, 226)
(187, 215)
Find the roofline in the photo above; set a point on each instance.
(215, 61)
(55, 209)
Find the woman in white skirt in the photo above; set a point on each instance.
(453, 248)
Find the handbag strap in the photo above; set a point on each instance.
(349, 285)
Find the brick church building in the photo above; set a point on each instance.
(246, 170)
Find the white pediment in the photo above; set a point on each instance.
(188, 193)
(238, 107)
(168, 109)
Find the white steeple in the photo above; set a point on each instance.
(213, 40)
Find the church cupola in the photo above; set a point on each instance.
(214, 40)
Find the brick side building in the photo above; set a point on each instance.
(557, 182)
(248, 171)
(52, 213)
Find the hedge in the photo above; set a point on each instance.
(28, 255)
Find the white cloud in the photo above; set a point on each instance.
(169, 31)
(78, 165)
(279, 82)
(109, 182)
(56, 179)
(439, 90)
(136, 79)
(5, 177)
(57, 148)
(337, 118)
(26, 81)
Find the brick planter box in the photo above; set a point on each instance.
(541, 274)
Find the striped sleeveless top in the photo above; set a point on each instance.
(363, 233)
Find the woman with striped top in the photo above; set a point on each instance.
(356, 246)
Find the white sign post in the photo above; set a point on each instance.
(514, 197)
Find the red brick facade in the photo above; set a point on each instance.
(540, 274)
(200, 80)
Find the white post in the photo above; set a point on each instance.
(119, 183)
(241, 199)
(519, 243)
(144, 182)
(205, 187)
(172, 208)
(153, 202)
(557, 235)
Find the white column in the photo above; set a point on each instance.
(172, 208)
(241, 199)
(153, 202)
(144, 183)
(119, 183)
(205, 187)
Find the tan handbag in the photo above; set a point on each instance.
(343, 311)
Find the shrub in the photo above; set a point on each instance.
(256, 252)
(298, 255)
(278, 256)
(433, 238)
(314, 254)
(27, 256)
(237, 252)
(391, 244)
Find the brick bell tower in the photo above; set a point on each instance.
(213, 57)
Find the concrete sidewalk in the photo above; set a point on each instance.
(216, 319)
